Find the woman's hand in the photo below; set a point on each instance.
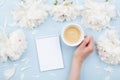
(84, 49)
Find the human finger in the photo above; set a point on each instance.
(85, 41)
(90, 46)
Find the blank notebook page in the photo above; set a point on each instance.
(49, 53)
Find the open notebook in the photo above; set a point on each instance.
(49, 53)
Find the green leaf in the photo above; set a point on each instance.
(107, 0)
(56, 2)
(23, 0)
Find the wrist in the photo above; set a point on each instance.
(77, 61)
(78, 58)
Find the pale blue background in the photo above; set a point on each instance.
(50, 27)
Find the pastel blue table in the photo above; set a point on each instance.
(50, 27)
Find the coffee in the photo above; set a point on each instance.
(72, 34)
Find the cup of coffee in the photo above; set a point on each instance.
(72, 34)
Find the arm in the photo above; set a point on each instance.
(80, 54)
(75, 70)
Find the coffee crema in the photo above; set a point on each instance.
(72, 34)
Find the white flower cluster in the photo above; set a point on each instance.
(97, 15)
(108, 47)
(65, 11)
(30, 13)
(12, 45)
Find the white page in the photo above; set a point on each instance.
(49, 53)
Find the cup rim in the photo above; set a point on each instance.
(80, 29)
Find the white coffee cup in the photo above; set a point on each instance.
(75, 30)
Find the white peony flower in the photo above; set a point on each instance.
(13, 45)
(108, 47)
(97, 15)
(30, 13)
(65, 10)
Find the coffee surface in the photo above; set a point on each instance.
(72, 34)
